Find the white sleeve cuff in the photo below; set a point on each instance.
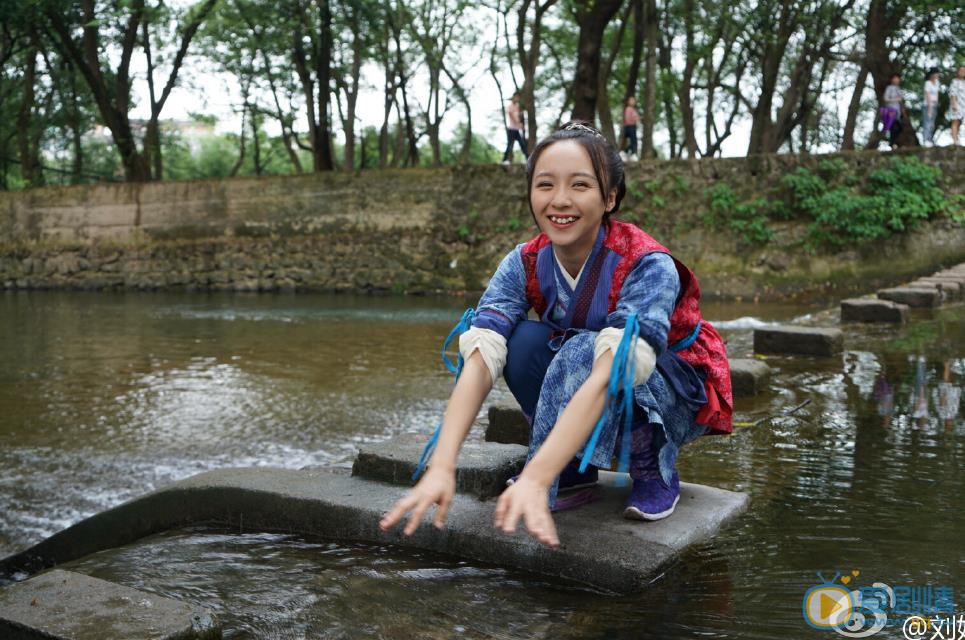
(644, 355)
(491, 346)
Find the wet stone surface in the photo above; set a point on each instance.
(483, 467)
(63, 604)
(748, 377)
(508, 425)
(873, 310)
(794, 340)
(951, 289)
(920, 297)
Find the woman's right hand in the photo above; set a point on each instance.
(437, 486)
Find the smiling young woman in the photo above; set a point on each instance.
(620, 359)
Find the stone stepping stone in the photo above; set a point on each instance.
(67, 605)
(483, 469)
(952, 289)
(913, 297)
(748, 377)
(598, 548)
(951, 276)
(873, 310)
(795, 340)
(507, 424)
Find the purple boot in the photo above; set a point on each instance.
(651, 498)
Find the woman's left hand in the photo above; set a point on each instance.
(528, 500)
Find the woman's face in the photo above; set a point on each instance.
(895, 80)
(632, 102)
(961, 73)
(566, 197)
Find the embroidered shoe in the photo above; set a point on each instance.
(651, 499)
(571, 478)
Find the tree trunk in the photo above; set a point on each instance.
(351, 99)
(322, 146)
(651, 28)
(241, 143)
(686, 82)
(29, 169)
(847, 143)
(593, 20)
(77, 172)
(112, 102)
(529, 59)
(667, 94)
(256, 143)
(639, 35)
(603, 106)
(770, 61)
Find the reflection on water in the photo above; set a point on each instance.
(104, 397)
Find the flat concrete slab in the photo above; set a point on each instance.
(795, 340)
(918, 297)
(68, 605)
(507, 424)
(598, 547)
(873, 310)
(748, 377)
(483, 470)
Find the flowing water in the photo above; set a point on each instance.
(104, 397)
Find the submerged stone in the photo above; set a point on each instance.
(873, 310)
(748, 377)
(483, 467)
(919, 297)
(795, 340)
(63, 604)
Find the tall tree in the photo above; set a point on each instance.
(111, 86)
(592, 19)
(312, 57)
(529, 55)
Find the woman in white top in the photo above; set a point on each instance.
(956, 95)
(930, 107)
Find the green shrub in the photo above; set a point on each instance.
(895, 198)
(747, 219)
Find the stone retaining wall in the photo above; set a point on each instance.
(419, 230)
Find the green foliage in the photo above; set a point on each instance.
(514, 224)
(680, 185)
(956, 208)
(747, 219)
(895, 198)
(841, 210)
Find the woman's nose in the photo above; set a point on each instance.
(561, 197)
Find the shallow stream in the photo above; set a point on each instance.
(104, 397)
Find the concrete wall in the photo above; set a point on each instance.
(418, 230)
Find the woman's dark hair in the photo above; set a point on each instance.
(931, 72)
(607, 165)
(893, 76)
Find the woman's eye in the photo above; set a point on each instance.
(580, 185)
(543, 185)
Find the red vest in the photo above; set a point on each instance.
(707, 352)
